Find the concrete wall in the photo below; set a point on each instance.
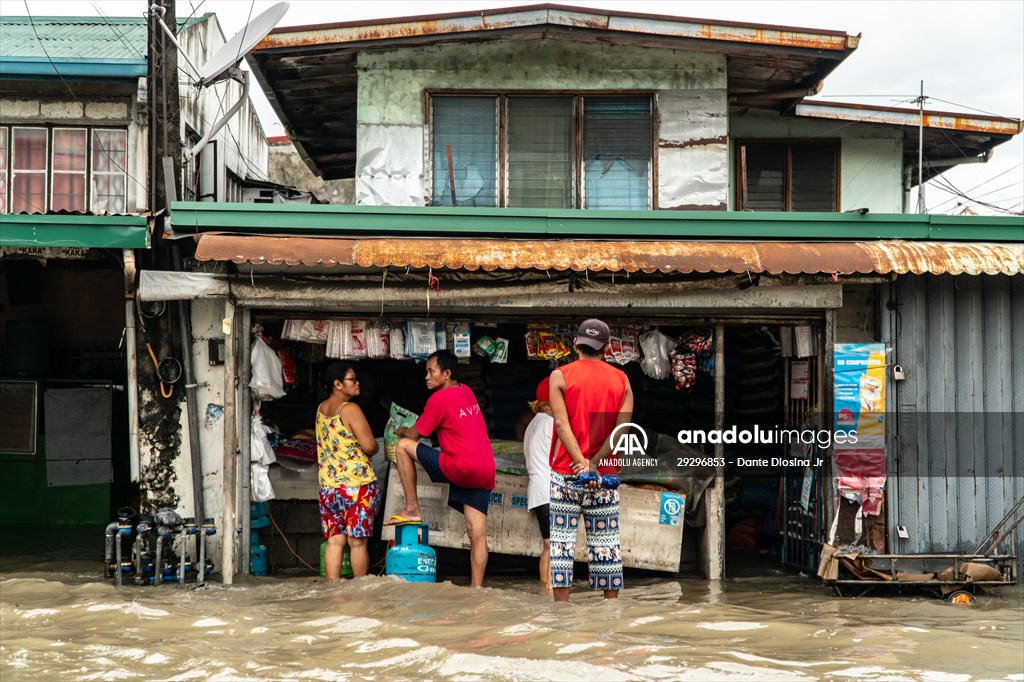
(393, 140)
(286, 167)
(871, 159)
(856, 320)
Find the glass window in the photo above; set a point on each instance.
(70, 146)
(617, 152)
(109, 160)
(540, 152)
(467, 129)
(28, 170)
(788, 176)
(552, 151)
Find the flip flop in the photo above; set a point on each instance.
(399, 520)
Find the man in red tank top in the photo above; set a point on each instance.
(589, 398)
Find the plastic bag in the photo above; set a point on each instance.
(266, 381)
(400, 417)
(656, 348)
(260, 449)
(259, 483)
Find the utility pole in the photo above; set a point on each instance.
(920, 151)
(165, 114)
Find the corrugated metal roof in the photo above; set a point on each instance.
(79, 38)
(844, 258)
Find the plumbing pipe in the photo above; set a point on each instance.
(158, 570)
(132, 365)
(108, 547)
(188, 528)
(207, 529)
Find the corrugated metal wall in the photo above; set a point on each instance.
(956, 443)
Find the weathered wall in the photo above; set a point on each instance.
(393, 140)
(855, 321)
(286, 167)
(871, 160)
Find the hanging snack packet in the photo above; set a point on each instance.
(484, 347)
(500, 351)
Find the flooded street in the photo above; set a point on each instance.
(59, 621)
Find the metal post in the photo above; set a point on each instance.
(920, 151)
(229, 470)
(715, 496)
(244, 433)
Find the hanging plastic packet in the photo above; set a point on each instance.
(356, 340)
(656, 347)
(396, 342)
(500, 351)
(697, 340)
(378, 337)
(684, 369)
(463, 347)
(484, 347)
(421, 341)
(440, 337)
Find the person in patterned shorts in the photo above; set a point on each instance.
(589, 398)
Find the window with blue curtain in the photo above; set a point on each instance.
(616, 152)
(469, 125)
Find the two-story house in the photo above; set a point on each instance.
(521, 169)
(76, 173)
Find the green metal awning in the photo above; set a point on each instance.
(193, 218)
(74, 230)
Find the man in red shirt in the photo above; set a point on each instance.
(465, 460)
(589, 398)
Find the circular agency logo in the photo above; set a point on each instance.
(627, 442)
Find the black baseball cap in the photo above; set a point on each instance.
(593, 334)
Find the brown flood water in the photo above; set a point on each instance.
(59, 621)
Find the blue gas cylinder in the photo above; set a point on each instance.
(410, 559)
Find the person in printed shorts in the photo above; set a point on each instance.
(589, 398)
(348, 486)
(465, 459)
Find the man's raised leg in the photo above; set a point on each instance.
(405, 461)
(476, 528)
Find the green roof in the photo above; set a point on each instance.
(76, 46)
(189, 218)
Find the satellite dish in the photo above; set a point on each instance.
(218, 67)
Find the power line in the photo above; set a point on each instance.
(32, 23)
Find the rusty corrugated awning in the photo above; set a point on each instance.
(844, 258)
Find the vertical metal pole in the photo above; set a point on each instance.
(715, 528)
(826, 399)
(920, 151)
(229, 470)
(244, 433)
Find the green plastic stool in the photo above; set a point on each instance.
(346, 562)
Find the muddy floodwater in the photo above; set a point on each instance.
(59, 621)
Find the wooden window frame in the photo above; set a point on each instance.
(742, 143)
(501, 108)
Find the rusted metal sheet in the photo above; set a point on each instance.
(996, 125)
(776, 258)
(536, 16)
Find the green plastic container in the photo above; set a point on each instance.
(346, 562)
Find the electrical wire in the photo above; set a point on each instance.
(287, 544)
